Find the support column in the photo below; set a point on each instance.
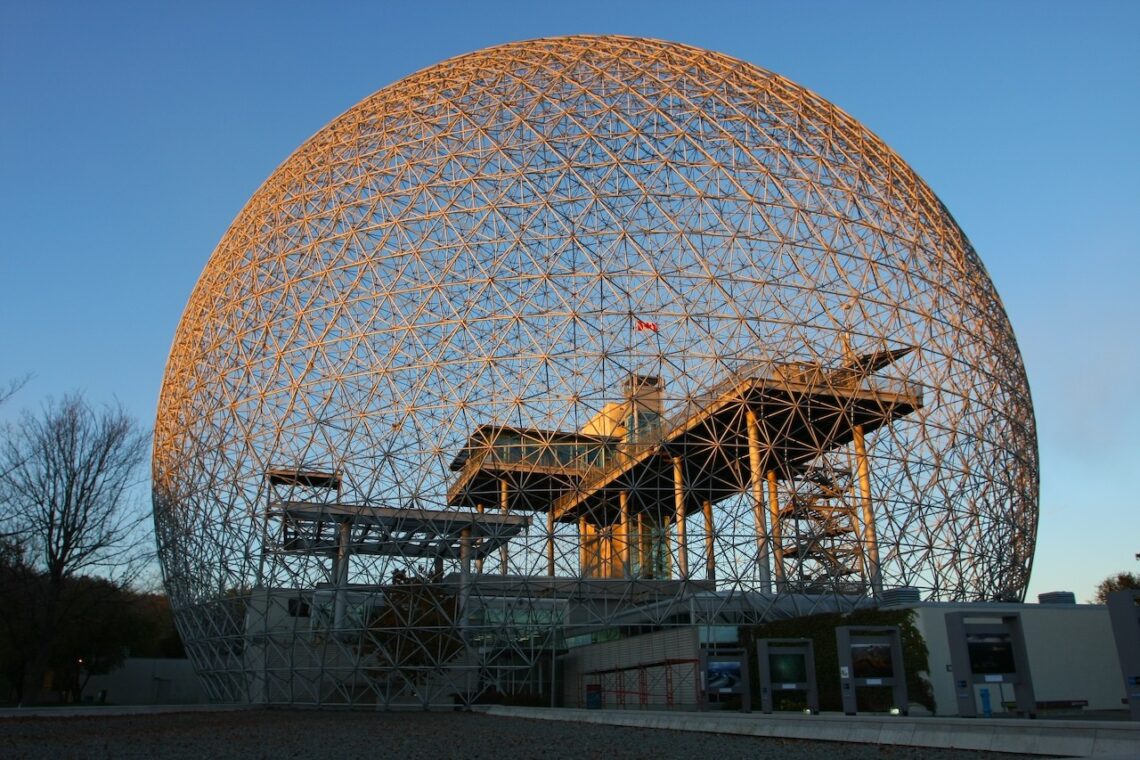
(479, 547)
(260, 581)
(464, 555)
(340, 571)
(869, 536)
(626, 538)
(583, 558)
(464, 574)
(757, 483)
(710, 541)
(777, 532)
(679, 509)
(504, 505)
(550, 542)
(643, 546)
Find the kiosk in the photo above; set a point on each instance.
(724, 675)
(990, 650)
(787, 665)
(870, 656)
(1124, 612)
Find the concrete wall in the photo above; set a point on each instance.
(146, 681)
(1072, 655)
(656, 670)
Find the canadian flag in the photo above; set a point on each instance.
(642, 326)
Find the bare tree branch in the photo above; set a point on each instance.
(13, 387)
(65, 481)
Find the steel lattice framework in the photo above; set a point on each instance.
(566, 333)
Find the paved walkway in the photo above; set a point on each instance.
(1065, 738)
(1118, 740)
(82, 711)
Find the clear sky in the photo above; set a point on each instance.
(132, 133)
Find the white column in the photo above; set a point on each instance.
(504, 505)
(340, 571)
(777, 537)
(550, 542)
(479, 546)
(679, 509)
(710, 542)
(870, 539)
(626, 537)
(757, 483)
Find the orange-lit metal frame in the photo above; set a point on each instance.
(555, 335)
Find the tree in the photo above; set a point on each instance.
(65, 511)
(1118, 582)
(99, 623)
(19, 595)
(64, 480)
(12, 387)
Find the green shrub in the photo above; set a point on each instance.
(820, 629)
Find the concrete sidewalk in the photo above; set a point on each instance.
(1064, 738)
(84, 711)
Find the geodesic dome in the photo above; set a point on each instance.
(639, 311)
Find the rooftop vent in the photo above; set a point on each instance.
(1057, 597)
(900, 597)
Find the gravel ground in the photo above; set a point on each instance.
(280, 734)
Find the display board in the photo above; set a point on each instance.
(724, 677)
(870, 656)
(786, 666)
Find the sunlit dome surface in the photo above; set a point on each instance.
(511, 240)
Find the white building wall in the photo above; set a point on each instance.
(147, 681)
(1072, 654)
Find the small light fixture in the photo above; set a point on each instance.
(896, 711)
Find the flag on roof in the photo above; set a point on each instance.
(642, 326)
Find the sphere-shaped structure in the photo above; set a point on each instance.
(633, 311)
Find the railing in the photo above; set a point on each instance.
(596, 462)
(582, 457)
(661, 684)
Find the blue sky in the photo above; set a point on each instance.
(132, 133)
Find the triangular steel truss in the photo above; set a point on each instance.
(568, 339)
